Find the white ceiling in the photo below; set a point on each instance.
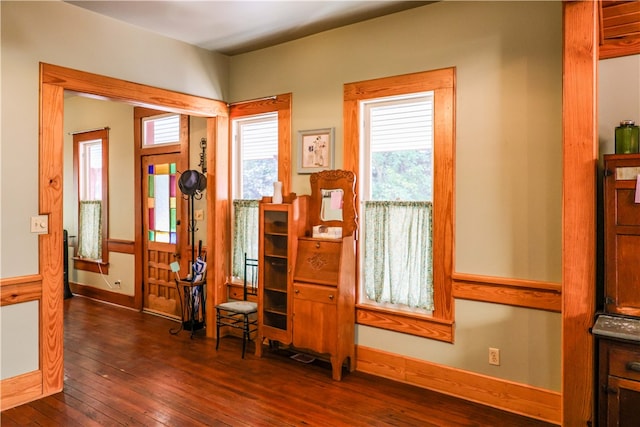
(237, 26)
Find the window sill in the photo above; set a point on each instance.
(235, 291)
(92, 265)
(418, 324)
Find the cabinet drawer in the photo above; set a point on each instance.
(318, 261)
(323, 294)
(624, 362)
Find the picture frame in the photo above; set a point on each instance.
(315, 150)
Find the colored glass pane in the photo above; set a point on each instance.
(162, 169)
(172, 186)
(173, 238)
(152, 236)
(152, 219)
(150, 181)
(150, 169)
(172, 168)
(172, 221)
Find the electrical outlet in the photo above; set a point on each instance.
(494, 356)
(117, 283)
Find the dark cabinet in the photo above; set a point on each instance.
(618, 329)
(622, 235)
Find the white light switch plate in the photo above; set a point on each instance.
(40, 224)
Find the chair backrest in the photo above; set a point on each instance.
(250, 276)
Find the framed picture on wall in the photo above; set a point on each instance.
(315, 150)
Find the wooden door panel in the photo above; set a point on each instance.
(164, 234)
(161, 294)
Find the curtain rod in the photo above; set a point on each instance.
(88, 130)
(252, 100)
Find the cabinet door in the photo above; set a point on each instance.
(622, 235)
(623, 403)
(318, 261)
(274, 272)
(315, 318)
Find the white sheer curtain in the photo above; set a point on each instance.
(90, 229)
(398, 252)
(245, 233)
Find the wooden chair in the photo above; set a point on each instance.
(241, 314)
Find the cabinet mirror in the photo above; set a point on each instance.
(331, 209)
(333, 200)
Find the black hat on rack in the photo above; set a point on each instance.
(192, 182)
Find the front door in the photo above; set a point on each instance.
(164, 232)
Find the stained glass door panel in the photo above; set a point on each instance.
(163, 207)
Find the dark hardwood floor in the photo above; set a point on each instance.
(125, 368)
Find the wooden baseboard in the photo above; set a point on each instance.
(103, 295)
(20, 389)
(506, 395)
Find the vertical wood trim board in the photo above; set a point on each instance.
(580, 147)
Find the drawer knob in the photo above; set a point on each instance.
(331, 297)
(317, 245)
(633, 366)
(297, 291)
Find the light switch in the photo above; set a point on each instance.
(40, 224)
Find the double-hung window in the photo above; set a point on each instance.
(261, 155)
(256, 168)
(91, 170)
(397, 195)
(399, 140)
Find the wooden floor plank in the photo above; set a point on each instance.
(123, 367)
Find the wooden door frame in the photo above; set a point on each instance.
(180, 149)
(54, 80)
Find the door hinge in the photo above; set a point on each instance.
(609, 301)
(609, 390)
(607, 172)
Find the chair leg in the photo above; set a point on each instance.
(217, 328)
(245, 334)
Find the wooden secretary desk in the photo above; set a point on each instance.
(307, 298)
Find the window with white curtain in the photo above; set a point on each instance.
(254, 172)
(397, 195)
(91, 169)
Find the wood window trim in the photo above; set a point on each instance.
(149, 150)
(91, 265)
(282, 105)
(103, 135)
(442, 82)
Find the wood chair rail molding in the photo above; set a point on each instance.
(508, 291)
